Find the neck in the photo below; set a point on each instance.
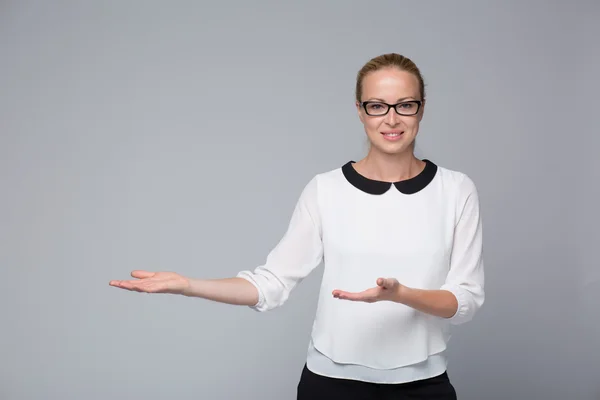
(389, 167)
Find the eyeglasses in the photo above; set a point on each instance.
(378, 109)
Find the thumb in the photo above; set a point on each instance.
(142, 274)
(385, 282)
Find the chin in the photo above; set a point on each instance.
(391, 148)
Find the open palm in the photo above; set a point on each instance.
(385, 290)
(153, 282)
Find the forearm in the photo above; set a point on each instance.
(237, 291)
(440, 303)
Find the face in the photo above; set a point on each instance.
(391, 133)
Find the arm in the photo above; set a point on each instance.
(465, 278)
(229, 290)
(440, 303)
(462, 294)
(235, 291)
(463, 291)
(269, 285)
(298, 253)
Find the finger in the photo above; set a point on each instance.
(347, 296)
(140, 274)
(121, 284)
(386, 283)
(340, 294)
(146, 286)
(128, 285)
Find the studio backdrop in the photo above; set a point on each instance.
(178, 136)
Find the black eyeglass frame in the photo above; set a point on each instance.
(389, 106)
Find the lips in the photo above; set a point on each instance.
(392, 135)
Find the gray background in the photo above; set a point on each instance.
(178, 135)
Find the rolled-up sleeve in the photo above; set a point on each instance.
(298, 253)
(466, 276)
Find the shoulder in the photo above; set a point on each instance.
(455, 180)
(461, 191)
(326, 178)
(319, 182)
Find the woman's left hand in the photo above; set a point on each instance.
(387, 289)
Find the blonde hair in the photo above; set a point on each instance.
(390, 60)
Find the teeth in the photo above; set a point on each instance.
(392, 134)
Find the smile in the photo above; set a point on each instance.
(392, 135)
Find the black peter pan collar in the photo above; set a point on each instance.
(407, 186)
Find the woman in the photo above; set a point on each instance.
(401, 241)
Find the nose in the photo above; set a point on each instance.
(392, 117)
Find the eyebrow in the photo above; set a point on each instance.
(383, 101)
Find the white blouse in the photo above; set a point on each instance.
(425, 231)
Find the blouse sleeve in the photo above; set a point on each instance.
(466, 277)
(299, 251)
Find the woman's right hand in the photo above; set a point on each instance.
(154, 282)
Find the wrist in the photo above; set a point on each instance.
(402, 294)
(186, 287)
